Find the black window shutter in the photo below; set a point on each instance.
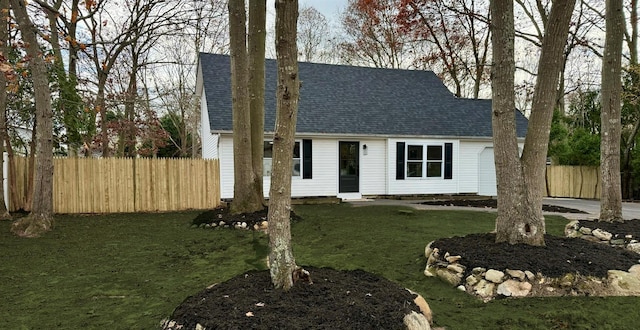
(448, 161)
(400, 161)
(307, 168)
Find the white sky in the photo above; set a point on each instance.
(329, 8)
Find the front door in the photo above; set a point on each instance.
(349, 167)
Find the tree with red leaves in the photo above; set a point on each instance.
(456, 39)
(374, 36)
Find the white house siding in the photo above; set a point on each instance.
(324, 181)
(469, 165)
(373, 167)
(377, 169)
(209, 141)
(479, 172)
(419, 186)
(487, 173)
(225, 153)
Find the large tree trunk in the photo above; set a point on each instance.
(550, 68)
(521, 181)
(40, 219)
(611, 196)
(281, 260)
(245, 200)
(515, 213)
(257, 37)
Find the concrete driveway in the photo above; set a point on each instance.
(592, 207)
(629, 210)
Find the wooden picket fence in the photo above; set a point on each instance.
(115, 185)
(573, 181)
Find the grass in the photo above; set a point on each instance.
(129, 271)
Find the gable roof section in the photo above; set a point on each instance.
(348, 100)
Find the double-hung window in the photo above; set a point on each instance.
(415, 161)
(434, 161)
(267, 161)
(424, 160)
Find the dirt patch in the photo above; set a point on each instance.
(336, 300)
(493, 203)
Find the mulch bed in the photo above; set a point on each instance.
(340, 299)
(224, 215)
(493, 203)
(336, 300)
(559, 257)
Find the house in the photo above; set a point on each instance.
(362, 132)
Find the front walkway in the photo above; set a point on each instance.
(592, 207)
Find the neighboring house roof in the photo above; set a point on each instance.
(349, 100)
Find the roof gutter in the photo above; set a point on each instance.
(379, 136)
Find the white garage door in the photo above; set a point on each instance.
(487, 173)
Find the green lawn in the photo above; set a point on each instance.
(129, 271)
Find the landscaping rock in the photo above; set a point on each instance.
(571, 229)
(453, 259)
(472, 280)
(513, 288)
(447, 275)
(424, 307)
(478, 270)
(582, 230)
(484, 289)
(428, 250)
(635, 247)
(623, 283)
(494, 276)
(416, 321)
(516, 274)
(530, 275)
(601, 234)
(585, 231)
(457, 268)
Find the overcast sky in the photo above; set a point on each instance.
(329, 8)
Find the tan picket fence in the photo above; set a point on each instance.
(573, 181)
(114, 185)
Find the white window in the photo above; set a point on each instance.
(419, 166)
(268, 154)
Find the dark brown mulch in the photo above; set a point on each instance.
(340, 299)
(222, 217)
(559, 257)
(618, 229)
(493, 203)
(336, 300)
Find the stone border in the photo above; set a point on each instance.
(488, 284)
(575, 229)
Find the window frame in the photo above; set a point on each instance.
(425, 161)
(294, 174)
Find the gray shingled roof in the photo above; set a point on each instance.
(338, 99)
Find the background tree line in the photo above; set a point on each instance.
(121, 73)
